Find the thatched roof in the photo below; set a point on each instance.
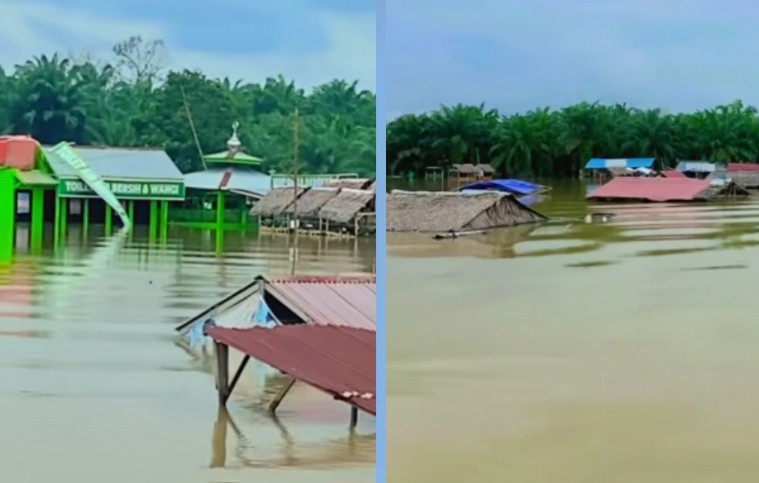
(352, 183)
(275, 202)
(747, 179)
(344, 207)
(310, 202)
(469, 168)
(455, 211)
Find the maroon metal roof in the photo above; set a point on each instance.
(733, 167)
(343, 301)
(651, 189)
(673, 173)
(340, 361)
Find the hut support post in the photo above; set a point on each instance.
(222, 372)
(7, 212)
(237, 375)
(108, 220)
(38, 216)
(85, 216)
(281, 395)
(354, 417)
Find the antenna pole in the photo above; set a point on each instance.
(296, 169)
(192, 127)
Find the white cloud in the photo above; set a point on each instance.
(350, 53)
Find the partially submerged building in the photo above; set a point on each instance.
(606, 168)
(744, 174)
(319, 210)
(438, 212)
(697, 169)
(664, 190)
(315, 329)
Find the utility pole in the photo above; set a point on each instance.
(296, 170)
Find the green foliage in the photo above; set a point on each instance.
(548, 142)
(131, 102)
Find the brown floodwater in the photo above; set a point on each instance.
(575, 352)
(95, 388)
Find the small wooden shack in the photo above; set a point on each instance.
(438, 212)
(350, 211)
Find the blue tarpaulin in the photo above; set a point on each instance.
(632, 163)
(515, 186)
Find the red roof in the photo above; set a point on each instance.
(340, 361)
(651, 189)
(732, 167)
(673, 173)
(343, 301)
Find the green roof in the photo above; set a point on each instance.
(35, 178)
(237, 158)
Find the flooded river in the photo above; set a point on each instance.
(574, 352)
(95, 388)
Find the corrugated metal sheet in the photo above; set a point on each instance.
(342, 301)
(120, 163)
(632, 163)
(239, 179)
(651, 189)
(340, 361)
(515, 186)
(673, 173)
(742, 167)
(696, 167)
(35, 178)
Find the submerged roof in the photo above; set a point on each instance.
(604, 163)
(652, 189)
(340, 361)
(432, 212)
(673, 173)
(232, 179)
(516, 186)
(119, 163)
(322, 300)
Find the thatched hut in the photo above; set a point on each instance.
(310, 202)
(352, 183)
(275, 202)
(437, 212)
(350, 210)
(746, 179)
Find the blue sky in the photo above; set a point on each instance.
(309, 41)
(517, 55)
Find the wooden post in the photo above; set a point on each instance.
(238, 374)
(222, 372)
(281, 395)
(354, 417)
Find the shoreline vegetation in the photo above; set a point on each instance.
(547, 143)
(133, 100)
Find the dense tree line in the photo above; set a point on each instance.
(547, 142)
(131, 100)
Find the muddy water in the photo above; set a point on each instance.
(95, 389)
(617, 351)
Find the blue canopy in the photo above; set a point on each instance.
(632, 163)
(515, 186)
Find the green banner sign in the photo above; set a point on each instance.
(133, 190)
